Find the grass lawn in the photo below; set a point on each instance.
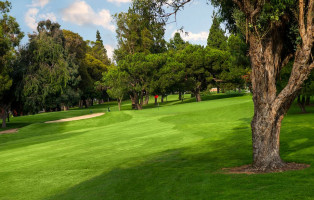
(174, 152)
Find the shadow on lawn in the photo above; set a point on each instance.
(194, 173)
(173, 174)
(191, 100)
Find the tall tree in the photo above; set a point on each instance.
(10, 36)
(98, 50)
(177, 43)
(239, 66)
(216, 37)
(139, 32)
(197, 72)
(47, 68)
(116, 83)
(268, 25)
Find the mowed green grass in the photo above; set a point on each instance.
(174, 152)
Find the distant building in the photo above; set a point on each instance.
(213, 90)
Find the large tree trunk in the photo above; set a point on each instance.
(270, 108)
(265, 137)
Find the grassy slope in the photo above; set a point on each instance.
(174, 152)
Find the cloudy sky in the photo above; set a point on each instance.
(87, 16)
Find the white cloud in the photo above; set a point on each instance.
(39, 3)
(50, 16)
(110, 50)
(81, 13)
(189, 36)
(30, 18)
(119, 1)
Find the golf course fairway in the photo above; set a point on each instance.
(175, 151)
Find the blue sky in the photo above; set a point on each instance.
(85, 17)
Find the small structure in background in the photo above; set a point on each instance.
(213, 90)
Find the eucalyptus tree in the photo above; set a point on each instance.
(276, 32)
(10, 36)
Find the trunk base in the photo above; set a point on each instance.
(249, 169)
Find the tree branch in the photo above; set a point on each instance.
(239, 4)
(301, 19)
(176, 7)
(309, 20)
(312, 66)
(286, 60)
(258, 8)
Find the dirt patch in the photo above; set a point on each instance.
(9, 131)
(76, 118)
(248, 169)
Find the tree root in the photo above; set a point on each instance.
(250, 169)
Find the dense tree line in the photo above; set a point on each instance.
(153, 66)
(55, 70)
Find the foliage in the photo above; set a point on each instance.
(177, 43)
(116, 83)
(216, 38)
(139, 29)
(48, 68)
(10, 36)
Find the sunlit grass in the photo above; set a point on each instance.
(175, 151)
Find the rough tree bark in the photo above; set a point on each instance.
(266, 60)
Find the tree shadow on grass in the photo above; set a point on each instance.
(195, 172)
(192, 100)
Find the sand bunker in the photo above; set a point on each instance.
(9, 131)
(76, 118)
